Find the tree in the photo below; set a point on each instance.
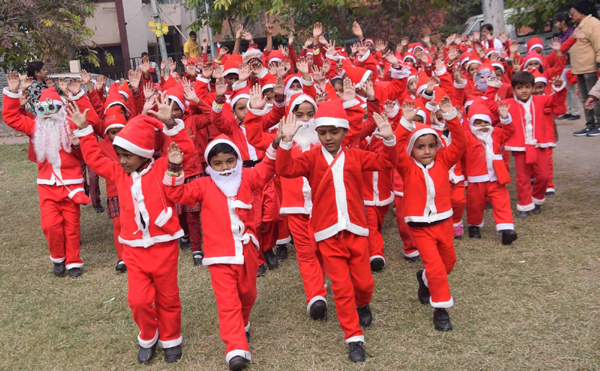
(536, 14)
(48, 30)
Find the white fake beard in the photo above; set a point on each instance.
(438, 125)
(483, 136)
(228, 184)
(394, 111)
(291, 93)
(52, 133)
(306, 135)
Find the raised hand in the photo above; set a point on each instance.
(380, 45)
(146, 65)
(452, 54)
(427, 39)
(175, 154)
(348, 93)
(557, 81)
(247, 36)
(149, 104)
(322, 40)
(291, 38)
(163, 65)
(184, 60)
(284, 50)
(513, 47)
(204, 44)
(218, 72)
(404, 42)
(74, 86)
(63, 85)
(391, 58)
(207, 70)
(269, 28)
(256, 98)
(321, 97)
(148, 90)
(191, 70)
(26, 83)
(172, 64)
(238, 32)
(517, 66)
(308, 43)
(220, 87)
(384, 128)
(222, 52)
(369, 89)
(244, 72)
(76, 116)
(503, 109)
(458, 77)
(317, 74)
(135, 79)
(353, 49)
(555, 44)
(446, 105)
(357, 31)
(439, 65)
(288, 128)
(257, 67)
(302, 65)
(476, 36)
(408, 110)
(13, 82)
(317, 30)
(431, 83)
(86, 78)
(164, 112)
(326, 66)
(190, 94)
(331, 48)
(363, 48)
(279, 88)
(503, 37)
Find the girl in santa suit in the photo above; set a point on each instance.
(149, 225)
(487, 172)
(230, 241)
(334, 174)
(424, 164)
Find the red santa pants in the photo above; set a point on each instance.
(497, 194)
(116, 232)
(309, 258)
(525, 172)
(60, 224)
(436, 245)
(458, 201)
(551, 168)
(283, 232)
(153, 293)
(265, 206)
(375, 216)
(190, 222)
(346, 259)
(410, 246)
(235, 292)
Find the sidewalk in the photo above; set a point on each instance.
(10, 136)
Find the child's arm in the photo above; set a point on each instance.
(217, 119)
(559, 96)
(453, 153)
(388, 157)
(264, 171)
(12, 105)
(175, 189)
(502, 133)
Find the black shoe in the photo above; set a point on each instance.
(75, 272)
(198, 256)
(582, 133)
(98, 209)
(248, 336)
(173, 354)
(238, 363)
(377, 264)
(474, 232)
(145, 355)
(423, 293)
(364, 316)
(565, 116)
(121, 267)
(318, 310)
(508, 236)
(488, 206)
(282, 252)
(573, 118)
(441, 320)
(414, 259)
(261, 270)
(184, 242)
(594, 132)
(356, 353)
(550, 193)
(271, 259)
(523, 215)
(59, 269)
(537, 210)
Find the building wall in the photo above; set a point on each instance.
(105, 25)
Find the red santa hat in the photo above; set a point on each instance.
(50, 96)
(125, 91)
(341, 51)
(298, 99)
(192, 61)
(534, 42)
(268, 82)
(251, 53)
(409, 56)
(422, 82)
(419, 131)
(421, 110)
(490, 51)
(358, 75)
(218, 140)
(137, 136)
(115, 99)
(479, 111)
(464, 57)
(114, 119)
(309, 52)
(531, 56)
(232, 64)
(486, 66)
(239, 94)
(473, 58)
(500, 65)
(537, 75)
(290, 79)
(332, 113)
(412, 48)
(367, 40)
(176, 94)
(276, 56)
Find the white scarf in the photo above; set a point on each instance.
(228, 181)
(528, 130)
(488, 143)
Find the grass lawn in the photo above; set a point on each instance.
(532, 305)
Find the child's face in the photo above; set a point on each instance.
(176, 112)
(533, 65)
(499, 73)
(223, 162)
(538, 50)
(485, 33)
(331, 137)
(339, 88)
(239, 110)
(231, 78)
(523, 91)
(425, 149)
(112, 133)
(270, 95)
(295, 86)
(305, 112)
(473, 68)
(482, 124)
(419, 118)
(129, 162)
(538, 88)
(412, 86)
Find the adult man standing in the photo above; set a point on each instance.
(191, 49)
(585, 61)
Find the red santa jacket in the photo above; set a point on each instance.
(377, 185)
(427, 188)
(236, 131)
(68, 170)
(227, 222)
(148, 217)
(108, 151)
(336, 184)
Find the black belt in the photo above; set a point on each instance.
(250, 163)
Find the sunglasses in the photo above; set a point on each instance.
(46, 107)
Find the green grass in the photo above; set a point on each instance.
(532, 305)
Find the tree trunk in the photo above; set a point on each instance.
(493, 13)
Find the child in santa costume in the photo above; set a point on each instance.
(334, 174)
(487, 172)
(230, 241)
(60, 181)
(531, 159)
(149, 225)
(424, 164)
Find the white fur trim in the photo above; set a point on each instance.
(505, 227)
(332, 121)
(364, 57)
(76, 97)
(148, 343)
(525, 208)
(410, 126)
(271, 153)
(441, 72)
(506, 121)
(313, 300)
(480, 116)
(238, 352)
(443, 304)
(354, 339)
(83, 132)
(203, 79)
(10, 94)
(179, 126)
(128, 146)
(450, 116)
(170, 343)
(351, 103)
(559, 88)
(74, 265)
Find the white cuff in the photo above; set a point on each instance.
(334, 57)
(83, 132)
(278, 105)
(262, 73)
(427, 96)
(506, 121)
(239, 85)
(78, 96)
(410, 126)
(254, 111)
(307, 83)
(450, 116)
(560, 88)
(440, 73)
(390, 143)
(460, 86)
(351, 103)
(10, 94)
(271, 152)
(179, 125)
(364, 57)
(203, 79)
(399, 74)
(286, 145)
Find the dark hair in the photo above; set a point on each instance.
(488, 27)
(268, 90)
(33, 67)
(337, 80)
(496, 68)
(563, 17)
(522, 78)
(144, 54)
(221, 148)
(192, 33)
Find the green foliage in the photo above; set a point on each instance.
(457, 14)
(536, 14)
(47, 30)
